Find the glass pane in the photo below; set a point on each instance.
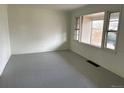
(76, 35)
(97, 30)
(77, 27)
(113, 25)
(92, 29)
(111, 40)
(77, 22)
(114, 21)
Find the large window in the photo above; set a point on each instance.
(89, 29)
(92, 29)
(112, 30)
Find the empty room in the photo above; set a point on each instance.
(61, 46)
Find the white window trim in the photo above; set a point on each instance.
(75, 27)
(105, 27)
(90, 36)
(106, 30)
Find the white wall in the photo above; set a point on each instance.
(36, 29)
(111, 61)
(4, 38)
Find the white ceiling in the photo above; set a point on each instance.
(63, 6)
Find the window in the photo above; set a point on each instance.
(89, 29)
(77, 28)
(92, 29)
(112, 30)
(97, 30)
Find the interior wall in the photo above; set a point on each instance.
(5, 52)
(107, 59)
(37, 29)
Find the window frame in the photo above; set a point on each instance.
(92, 32)
(75, 28)
(106, 30)
(91, 28)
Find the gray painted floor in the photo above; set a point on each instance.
(61, 69)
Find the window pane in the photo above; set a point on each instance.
(77, 22)
(113, 25)
(77, 28)
(111, 40)
(86, 30)
(113, 21)
(97, 30)
(76, 35)
(92, 29)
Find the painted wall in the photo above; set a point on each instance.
(109, 60)
(5, 52)
(36, 29)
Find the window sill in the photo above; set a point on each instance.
(90, 45)
(101, 48)
(110, 51)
